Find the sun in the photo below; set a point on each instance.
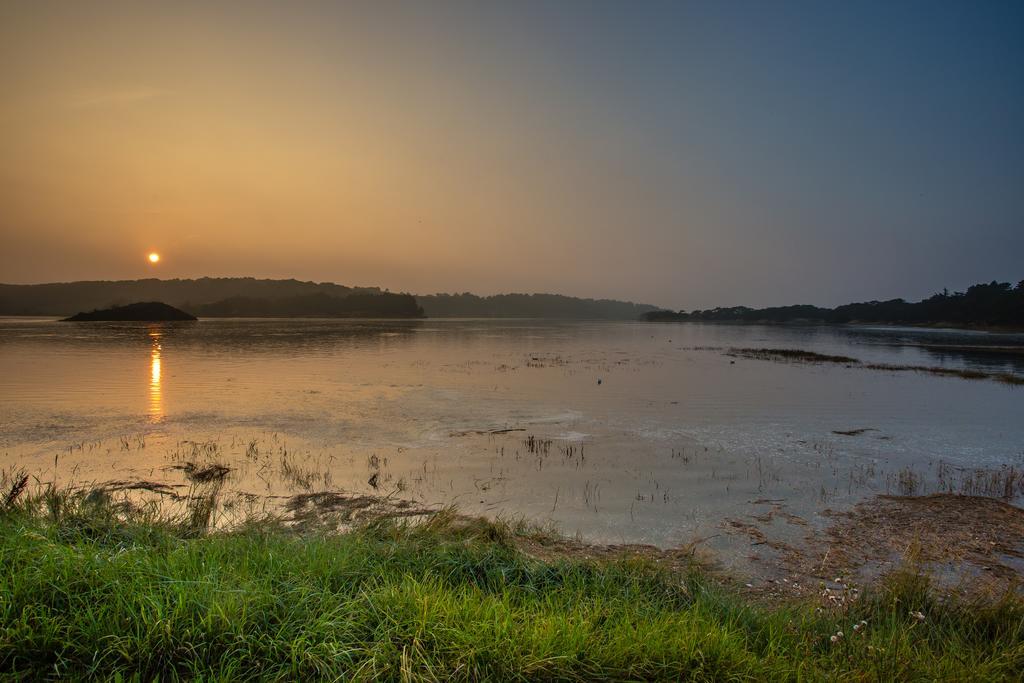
(154, 257)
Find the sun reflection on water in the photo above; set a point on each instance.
(156, 399)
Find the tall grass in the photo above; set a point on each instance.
(90, 588)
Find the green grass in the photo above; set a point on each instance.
(88, 590)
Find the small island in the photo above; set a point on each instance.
(145, 311)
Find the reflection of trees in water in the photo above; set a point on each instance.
(309, 335)
(979, 359)
(998, 352)
(950, 348)
(302, 335)
(925, 336)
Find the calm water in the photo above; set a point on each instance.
(652, 438)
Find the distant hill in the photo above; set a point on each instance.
(529, 306)
(66, 298)
(355, 305)
(147, 311)
(996, 304)
(249, 297)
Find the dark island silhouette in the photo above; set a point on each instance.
(313, 305)
(251, 297)
(991, 305)
(143, 311)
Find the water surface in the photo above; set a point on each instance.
(640, 432)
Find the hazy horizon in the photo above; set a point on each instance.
(357, 286)
(683, 155)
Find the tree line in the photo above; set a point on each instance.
(356, 305)
(995, 304)
(468, 305)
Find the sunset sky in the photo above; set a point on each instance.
(682, 154)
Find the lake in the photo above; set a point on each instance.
(616, 431)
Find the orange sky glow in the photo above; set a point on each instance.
(444, 147)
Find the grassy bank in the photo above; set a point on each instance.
(91, 589)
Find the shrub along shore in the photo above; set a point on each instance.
(96, 588)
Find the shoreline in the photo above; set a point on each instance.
(97, 588)
(971, 540)
(952, 327)
(937, 326)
